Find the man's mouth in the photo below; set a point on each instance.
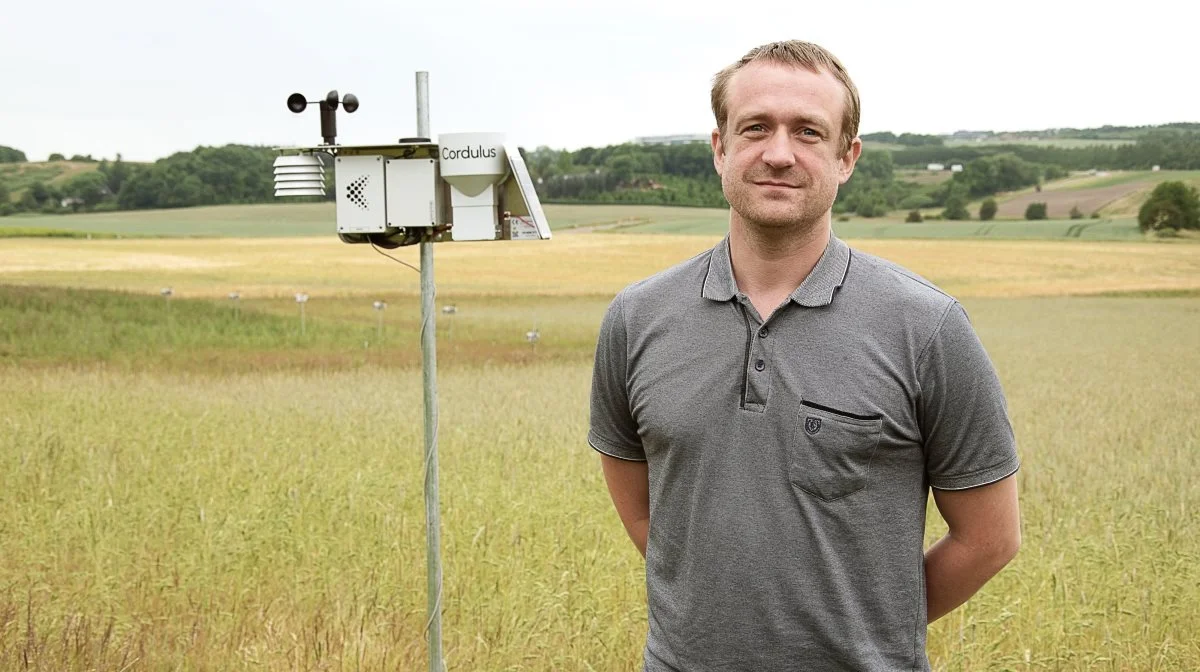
(776, 183)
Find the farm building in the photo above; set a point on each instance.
(671, 139)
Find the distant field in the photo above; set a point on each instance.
(1068, 143)
(571, 264)
(316, 219)
(920, 176)
(304, 220)
(895, 227)
(267, 219)
(1113, 194)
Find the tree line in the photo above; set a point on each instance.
(627, 173)
(205, 176)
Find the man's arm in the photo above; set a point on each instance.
(985, 534)
(629, 486)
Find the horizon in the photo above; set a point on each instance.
(67, 155)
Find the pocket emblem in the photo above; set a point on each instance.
(812, 425)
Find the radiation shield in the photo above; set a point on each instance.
(299, 175)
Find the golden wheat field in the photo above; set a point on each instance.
(193, 485)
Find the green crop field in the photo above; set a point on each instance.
(314, 219)
(196, 483)
(263, 220)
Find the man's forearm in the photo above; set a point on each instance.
(638, 529)
(954, 571)
(628, 483)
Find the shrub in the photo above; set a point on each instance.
(1035, 211)
(956, 208)
(1076, 213)
(914, 216)
(987, 209)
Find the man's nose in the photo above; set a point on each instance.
(778, 152)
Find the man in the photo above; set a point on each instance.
(772, 413)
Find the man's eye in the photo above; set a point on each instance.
(755, 128)
(810, 132)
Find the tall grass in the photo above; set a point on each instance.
(211, 492)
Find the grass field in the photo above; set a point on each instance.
(194, 484)
(302, 220)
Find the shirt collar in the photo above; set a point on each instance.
(816, 290)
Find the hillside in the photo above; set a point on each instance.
(18, 177)
(1110, 194)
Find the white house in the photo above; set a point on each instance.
(935, 167)
(956, 168)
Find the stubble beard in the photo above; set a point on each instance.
(779, 219)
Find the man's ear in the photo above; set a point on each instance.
(718, 150)
(848, 160)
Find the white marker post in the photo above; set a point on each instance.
(379, 307)
(302, 299)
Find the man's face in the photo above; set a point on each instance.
(780, 159)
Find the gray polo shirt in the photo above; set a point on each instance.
(790, 462)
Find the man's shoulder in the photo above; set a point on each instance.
(670, 286)
(899, 286)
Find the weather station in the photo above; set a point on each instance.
(464, 187)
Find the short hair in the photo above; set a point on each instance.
(801, 55)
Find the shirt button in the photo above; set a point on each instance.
(762, 333)
(760, 365)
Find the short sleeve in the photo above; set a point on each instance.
(965, 427)
(613, 429)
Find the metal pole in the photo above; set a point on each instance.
(433, 532)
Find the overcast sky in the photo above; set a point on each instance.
(147, 78)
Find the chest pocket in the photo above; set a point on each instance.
(832, 450)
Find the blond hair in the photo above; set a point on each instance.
(797, 54)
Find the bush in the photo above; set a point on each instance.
(57, 157)
(914, 216)
(6, 209)
(1035, 211)
(843, 218)
(871, 208)
(1095, 215)
(1172, 205)
(1076, 213)
(987, 209)
(956, 208)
